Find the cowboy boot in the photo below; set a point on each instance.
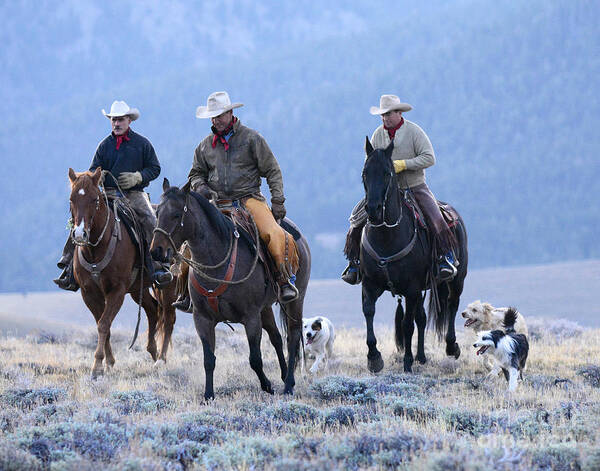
(351, 274)
(447, 267)
(161, 276)
(66, 280)
(287, 289)
(183, 302)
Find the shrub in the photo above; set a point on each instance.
(340, 387)
(25, 399)
(414, 408)
(293, 412)
(13, 458)
(342, 415)
(591, 375)
(558, 457)
(555, 329)
(135, 402)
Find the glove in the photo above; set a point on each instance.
(278, 210)
(129, 179)
(399, 165)
(205, 191)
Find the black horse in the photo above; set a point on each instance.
(395, 255)
(220, 252)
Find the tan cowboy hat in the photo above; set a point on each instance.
(217, 103)
(120, 108)
(390, 103)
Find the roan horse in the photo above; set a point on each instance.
(395, 255)
(104, 265)
(247, 298)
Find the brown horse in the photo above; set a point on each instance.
(106, 266)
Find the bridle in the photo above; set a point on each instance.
(199, 268)
(391, 182)
(88, 243)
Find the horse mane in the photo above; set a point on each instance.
(223, 225)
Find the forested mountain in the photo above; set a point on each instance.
(507, 92)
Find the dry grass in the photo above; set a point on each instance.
(138, 417)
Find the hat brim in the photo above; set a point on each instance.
(133, 113)
(204, 112)
(399, 107)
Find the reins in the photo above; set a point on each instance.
(199, 268)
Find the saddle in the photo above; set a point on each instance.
(242, 220)
(448, 212)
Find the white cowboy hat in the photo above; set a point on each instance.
(120, 108)
(390, 103)
(217, 103)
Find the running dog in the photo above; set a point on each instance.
(509, 348)
(483, 316)
(318, 340)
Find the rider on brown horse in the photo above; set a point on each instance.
(228, 166)
(412, 154)
(131, 159)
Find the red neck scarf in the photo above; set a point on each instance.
(392, 131)
(122, 137)
(221, 136)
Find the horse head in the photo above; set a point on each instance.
(172, 222)
(85, 202)
(378, 179)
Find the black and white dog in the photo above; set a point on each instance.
(509, 349)
(318, 340)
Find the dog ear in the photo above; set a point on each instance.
(316, 325)
(487, 307)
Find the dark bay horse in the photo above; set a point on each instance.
(104, 266)
(395, 255)
(218, 249)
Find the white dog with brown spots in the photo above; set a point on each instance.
(319, 336)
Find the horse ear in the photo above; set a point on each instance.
(389, 149)
(368, 146)
(166, 184)
(72, 175)
(96, 175)
(187, 187)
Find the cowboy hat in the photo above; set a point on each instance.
(216, 104)
(120, 108)
(390, 103)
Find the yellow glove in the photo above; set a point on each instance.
(129, 179)
(399, 165)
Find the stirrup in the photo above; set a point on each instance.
(287, 293)
(183, 303)
(66, 280)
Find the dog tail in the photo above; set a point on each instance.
(510, 318)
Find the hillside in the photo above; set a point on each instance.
(507, 92)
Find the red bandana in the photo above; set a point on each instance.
(392, 131)
(221, 136)
(122, 137)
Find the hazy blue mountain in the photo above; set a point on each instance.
(507, 92)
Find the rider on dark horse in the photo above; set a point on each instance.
(131, 159)
(228, 166)
(412, 154)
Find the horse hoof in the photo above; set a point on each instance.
(408, 362)
(96, 374)
(453, 351)
(375, 365)
(159, 363)
(268, 389)
(422, 359)
(288, 391)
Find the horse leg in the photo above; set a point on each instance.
(113, 302)
(268, 323)
(452, 348)
(370, 294)
(408, 325)
(166, 324)
(294, 340)
(421, 321)
(254, 334)
(206, 331)
(108, 354)
(151, 308)
(94, 300)
(398, 333)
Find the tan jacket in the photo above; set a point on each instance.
(237, 172)
(410, 144)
